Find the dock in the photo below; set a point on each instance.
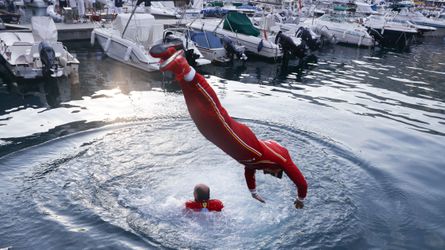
(80, 31)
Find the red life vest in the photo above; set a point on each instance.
(211, 205)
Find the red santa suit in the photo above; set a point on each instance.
(235, 138)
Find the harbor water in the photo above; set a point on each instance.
(110, 161)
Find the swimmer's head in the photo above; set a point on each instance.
(201, 192)
(278, 173)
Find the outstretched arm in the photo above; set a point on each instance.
(249, 174)
(275, 152)
(297, 177)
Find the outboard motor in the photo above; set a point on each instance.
(48, 58)
(289, 47)
(232, 50)
(307, 37)
(376, 35)
(190, 55)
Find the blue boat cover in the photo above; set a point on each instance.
(211, 42)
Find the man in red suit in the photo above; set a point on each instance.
(202, 200)
(234, 138)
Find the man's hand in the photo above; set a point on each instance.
(258, 197)
(299, 204)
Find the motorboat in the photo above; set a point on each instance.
(238, 27)
(163, 10)
(216, 49)
(36, 54)
(130, 37)
(389, 33)
(364, 8)
(339, 29)
(417, 18)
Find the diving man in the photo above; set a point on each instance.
(234, 138)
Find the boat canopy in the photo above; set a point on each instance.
(206, 39)
(142, 28)
(43, 29)
(240, 23)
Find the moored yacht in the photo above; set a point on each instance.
(215, 48)
(338, 29)
(389, 33)
(418, 18)
(130, 38)
(238, 27)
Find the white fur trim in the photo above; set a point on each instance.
(190, 75)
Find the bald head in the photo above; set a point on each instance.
(201, 192)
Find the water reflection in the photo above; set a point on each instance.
(406, 88)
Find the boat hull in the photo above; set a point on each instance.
(125, 51)
(394, 38)
(254, 45)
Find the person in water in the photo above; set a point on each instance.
(202, 200)
(233, 137)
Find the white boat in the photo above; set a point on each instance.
(389, 33)
(36, 54)
(254, 41)
(214, 48)
(162, 10)
(131, 46)
(364, 8)
(418, 18)
(338, 29)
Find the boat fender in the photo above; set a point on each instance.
(92, 38)
(107, 44)
(63, 61)
(128, 53)
(261, 45)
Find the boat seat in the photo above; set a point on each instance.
(21, 60)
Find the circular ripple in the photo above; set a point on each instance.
(136, 179)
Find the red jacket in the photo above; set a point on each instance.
(211, 205)
(235, 138)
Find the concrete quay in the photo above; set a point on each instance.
(80, 31)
